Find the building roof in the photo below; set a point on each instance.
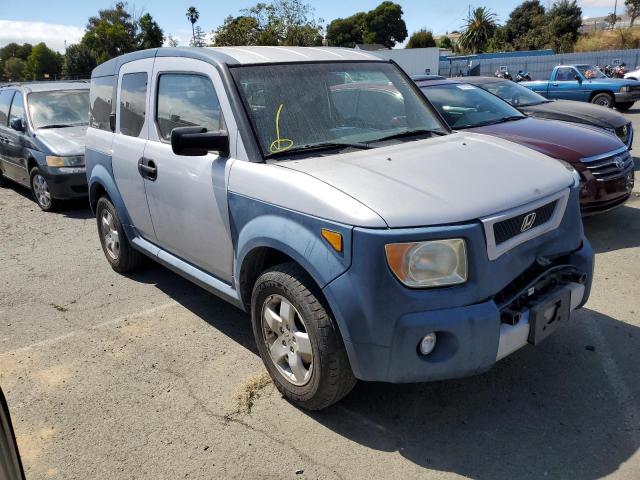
(239, 56)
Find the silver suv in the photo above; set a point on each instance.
(318, 189)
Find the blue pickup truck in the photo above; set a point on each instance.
(587, 83)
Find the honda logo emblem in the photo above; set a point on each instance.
(528, 222)
(619, 162)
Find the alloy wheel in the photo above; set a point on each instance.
(287, 341)
(110, 235)
(41, 190)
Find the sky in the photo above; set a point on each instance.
(55, 22)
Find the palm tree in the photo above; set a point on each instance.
(479, 28)
(193, 15)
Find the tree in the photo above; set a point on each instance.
(14, 50)
(193, 15)
(421, 39)
(42, 61)
(498, 41)
(478, 30)
(199, 37)
(14, 69)
(241, 30)
(526, 27)
(446, 43)
(282, 22)
(384, 24)
(151, 35)
(346, 32)
(172, 42)
(111, 33)
(632, 8)
(564, 20)
(611, 20)
(78, 61)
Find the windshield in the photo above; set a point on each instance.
(589, 72)
(515, 94)
(464, 106)
(59, 109)
(297, 106)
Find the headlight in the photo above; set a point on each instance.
(428, 264)
(574, 172)
(72, 161)
(625, 88)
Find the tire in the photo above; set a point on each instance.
(40, 191)
(603, 99)
(624, 106)
(308, 338)
(116, 247)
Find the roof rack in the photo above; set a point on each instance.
(37, 82)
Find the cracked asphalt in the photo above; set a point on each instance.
(144, 376)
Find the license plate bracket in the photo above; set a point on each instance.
(546, 316)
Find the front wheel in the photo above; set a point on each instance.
(298, 340)
(40, 191)
(603, 99)
(115, 245)
(624, 106)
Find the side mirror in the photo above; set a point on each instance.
(578, 78)
(17, 124)
(194, 141)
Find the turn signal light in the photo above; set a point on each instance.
(334, 239)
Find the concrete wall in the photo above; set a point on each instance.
(539, 67)
(414, 61)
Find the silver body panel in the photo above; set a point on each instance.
(455, 178)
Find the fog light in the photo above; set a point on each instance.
(427, 344)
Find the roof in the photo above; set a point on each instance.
(443, 81)
(422, 78)
(239, 56)
(49, 86)
(475, 79)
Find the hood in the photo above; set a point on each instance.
(562, 140)
(614, 82)
(578, 112)
(63, 141)
(444, 180)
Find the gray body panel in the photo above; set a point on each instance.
(64, 141)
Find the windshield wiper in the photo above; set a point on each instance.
(408, 133)
(318, 146)
(57, 125)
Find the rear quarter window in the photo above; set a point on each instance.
(101, 102)
(5, 102)
(133, 100)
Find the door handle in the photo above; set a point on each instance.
(147, 169)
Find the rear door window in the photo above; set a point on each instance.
(187, 100)
(5, 102)
(133, 100)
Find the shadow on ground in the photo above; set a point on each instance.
(76, 208)
(553, 411)
(614, 230)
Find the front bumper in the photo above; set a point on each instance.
(602, 196)
(66, 182)
(623, 97)
(382, 321)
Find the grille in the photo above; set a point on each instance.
(624, 133)
(511, 227)
(610, 168)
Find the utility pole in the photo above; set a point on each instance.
(615, 14)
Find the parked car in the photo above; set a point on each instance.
(42, 130)
(366, 243)
(535, 105)
(587, 83)
(633, 74)
(605, 166)
(10, 462)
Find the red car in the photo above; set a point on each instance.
(602, 160)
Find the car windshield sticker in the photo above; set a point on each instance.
(280, 144)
